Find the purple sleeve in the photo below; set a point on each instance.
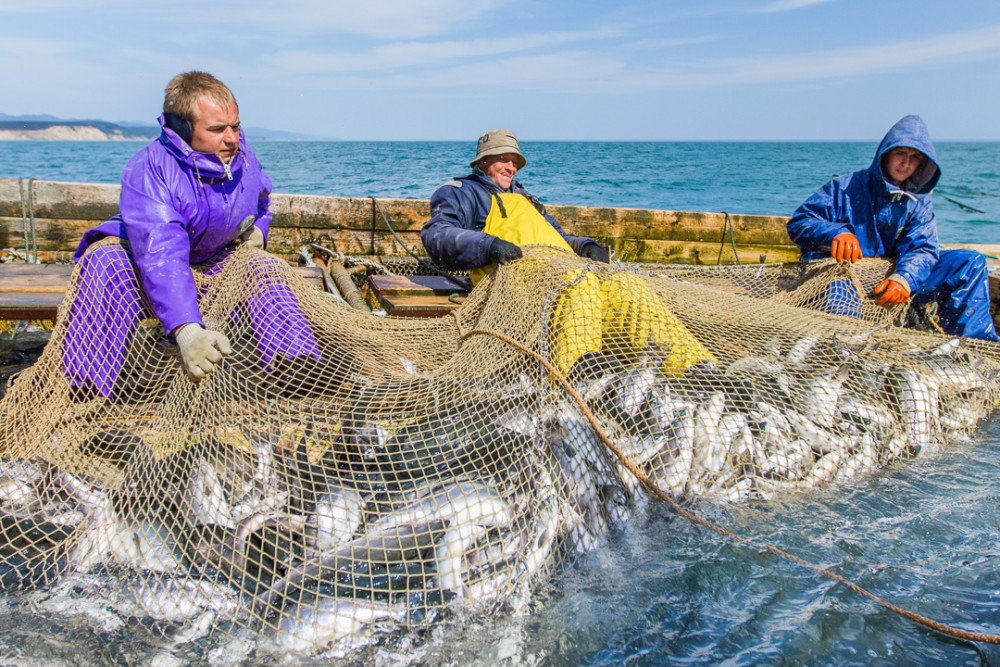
(158, 236)
(263, 221)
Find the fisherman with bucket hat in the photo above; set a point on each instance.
(478, 221)
(483, 220)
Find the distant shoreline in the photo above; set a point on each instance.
(81, 130)
(66, 133)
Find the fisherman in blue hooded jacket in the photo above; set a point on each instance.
(886, 211)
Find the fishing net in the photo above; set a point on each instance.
(343, 479)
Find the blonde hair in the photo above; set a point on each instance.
(183, 91)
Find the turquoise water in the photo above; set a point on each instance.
(924, 534)
(768, 178)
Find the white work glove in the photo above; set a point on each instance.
(253, 237)
(201, 349)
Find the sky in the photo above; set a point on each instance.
(626, 70)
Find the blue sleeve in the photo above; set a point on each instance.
(453, 236)
(917, 245)
(823, 216)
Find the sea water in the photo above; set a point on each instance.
(923, 534)
(766, 178)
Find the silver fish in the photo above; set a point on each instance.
(206, 500)
(817, 395)
(462, 501)
(336, 519)
(915, 401)
(337, 622)
(672, 467)
(632, 388)
(710, 449)
(178, 599)
(450, 553)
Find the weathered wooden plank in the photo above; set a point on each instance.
(13, 270)
(56, 199)
(58, 234)
(356, 225)
(34, 291)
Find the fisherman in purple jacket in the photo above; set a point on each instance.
(186, 198)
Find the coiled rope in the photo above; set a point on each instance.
(659, 493)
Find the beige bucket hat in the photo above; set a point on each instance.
(498, 142)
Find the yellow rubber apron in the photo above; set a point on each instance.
(613, 312)
(515, 219)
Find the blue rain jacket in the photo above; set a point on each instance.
(454, 236)
(888, 220)
(898, 221)
(180, 207)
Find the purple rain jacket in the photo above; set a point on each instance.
(888, 220)
(179, 207)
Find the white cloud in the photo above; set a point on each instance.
(449, 65)
(382, 19)
(898, 56)
(411, 55)
(22, 47)
(789, 5)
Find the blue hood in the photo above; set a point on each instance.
(910, 132)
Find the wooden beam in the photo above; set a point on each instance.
(355, 225)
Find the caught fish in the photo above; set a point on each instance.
(464, 500)
(583, 468)
(671, 469)
(336, 518)
(710, 450)
(631, 388)
(332, 622)
(177, 599)
(17, 484)
(206, 500)
(915, 402)
(817, 395)
(450, 553)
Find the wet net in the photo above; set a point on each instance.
(344, 479)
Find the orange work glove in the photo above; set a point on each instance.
(889, 292)
(845, 248)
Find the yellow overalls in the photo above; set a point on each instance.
(613, 312)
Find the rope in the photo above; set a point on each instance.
(648, 483)
(28, 220)
(464, 284)
(732, 239)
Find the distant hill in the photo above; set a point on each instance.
(44, 127)
(81, 130)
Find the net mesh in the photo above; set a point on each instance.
(342, 478)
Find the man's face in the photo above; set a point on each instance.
(900, 163)
(500, 168)
(216, 130)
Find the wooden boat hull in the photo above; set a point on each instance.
(56, 214)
